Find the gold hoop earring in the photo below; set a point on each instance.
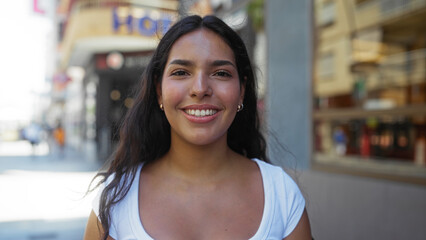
(161, 107)
(240, 107)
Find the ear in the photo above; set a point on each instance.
(243, 89)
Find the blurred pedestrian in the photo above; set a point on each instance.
(191, 163)
(59, 136)
(33, 134)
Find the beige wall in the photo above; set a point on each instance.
(340, 26)
(341, 81)
(334, 39)
(368, 14)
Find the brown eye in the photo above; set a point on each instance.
(223, 74)
(179, 73)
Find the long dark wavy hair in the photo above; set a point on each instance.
(145, 131)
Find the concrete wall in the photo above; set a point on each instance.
(340, 206)
(288, 96)
(352, 208)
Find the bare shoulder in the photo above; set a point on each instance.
(94, 228)
(302, 230)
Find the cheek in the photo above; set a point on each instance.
(230, 93)
(172, 92)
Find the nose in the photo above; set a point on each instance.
(200, 86)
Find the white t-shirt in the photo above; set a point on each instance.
(284, 205)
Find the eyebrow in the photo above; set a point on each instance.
(182, 62)
(216, 63)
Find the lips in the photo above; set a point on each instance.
(201, 113)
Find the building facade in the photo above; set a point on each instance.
(104, 48)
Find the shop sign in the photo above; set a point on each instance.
(37, 8)
(147, 24)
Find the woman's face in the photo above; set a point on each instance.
(200, 89)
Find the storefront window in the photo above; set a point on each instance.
(327, 14)
(370, 88)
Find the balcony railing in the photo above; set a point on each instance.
(390, 8)
(404, 68)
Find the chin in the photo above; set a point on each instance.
(204, 139)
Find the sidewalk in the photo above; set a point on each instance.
(43, 194)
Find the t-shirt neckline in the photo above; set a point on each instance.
(265, 223)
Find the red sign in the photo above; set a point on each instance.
(36, 7)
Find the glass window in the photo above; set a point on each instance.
(370, 117)
(326, 66)
(327, 13)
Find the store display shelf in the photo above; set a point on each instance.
(358, 113)
(385, 169)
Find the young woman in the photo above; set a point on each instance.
(191, 162)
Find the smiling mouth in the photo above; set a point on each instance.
(200, 113)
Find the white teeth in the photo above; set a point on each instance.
(200, 113)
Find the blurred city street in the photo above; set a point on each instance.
(341, 96)
(43, 192)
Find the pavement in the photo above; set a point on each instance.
(43, 191)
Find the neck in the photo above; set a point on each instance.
(199, 162)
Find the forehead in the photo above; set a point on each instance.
(202, 44)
